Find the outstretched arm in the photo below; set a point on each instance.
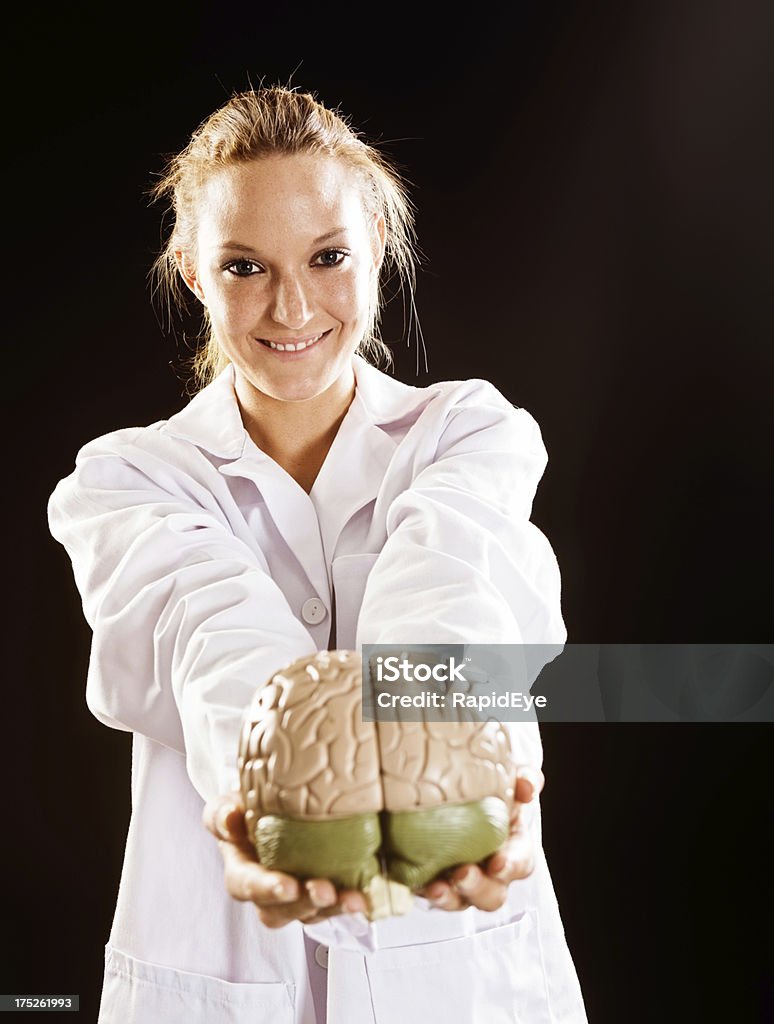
(187, 619)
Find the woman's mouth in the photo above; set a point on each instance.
(297, 345)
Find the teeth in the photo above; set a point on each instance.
(289, 347)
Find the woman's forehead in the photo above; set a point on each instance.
(315, 192)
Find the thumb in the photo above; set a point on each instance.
(223, 815)
(529, 783)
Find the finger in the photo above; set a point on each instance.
(515, 859)
(529, 784)
(318, 901)
(321, 892)
(353, 901)
(328, 901)
(278, 917)
(246, 879)
(478, 888)
(444, 895)
(224, 815)
(304, 909)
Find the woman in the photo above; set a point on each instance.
(303, 500)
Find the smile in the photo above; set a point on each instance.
(296, 345)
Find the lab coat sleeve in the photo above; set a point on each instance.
(187, 621)
(462, 562)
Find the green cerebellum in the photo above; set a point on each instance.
(421, 844)
(343, 849)
(417, 845)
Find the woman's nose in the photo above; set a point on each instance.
(289, 304)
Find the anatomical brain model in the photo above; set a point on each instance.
(379, 806)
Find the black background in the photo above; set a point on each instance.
(594, 192)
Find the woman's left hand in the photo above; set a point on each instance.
(486, 886)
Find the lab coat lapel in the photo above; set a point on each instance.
(212, 421)
(292, 511)
(352, 473)
(359, 458)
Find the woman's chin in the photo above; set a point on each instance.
(286, 391)
(296, 386)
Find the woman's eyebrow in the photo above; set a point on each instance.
(235, 245)
(329, 234)
(248, 248)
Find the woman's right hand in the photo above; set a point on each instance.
(280, 898)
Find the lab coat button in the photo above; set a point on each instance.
(313, 611)
(321, 956)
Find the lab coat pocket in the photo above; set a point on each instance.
(350, 575)
(138, 992)
(491, 977)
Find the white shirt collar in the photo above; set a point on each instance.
(212, 419)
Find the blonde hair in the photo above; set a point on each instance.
(277, 120)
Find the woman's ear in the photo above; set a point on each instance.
(188, 273)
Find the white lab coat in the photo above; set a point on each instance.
(204, 567)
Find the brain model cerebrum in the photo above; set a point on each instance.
(379, 806)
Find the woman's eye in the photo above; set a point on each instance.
(332, 257)
(242, 268)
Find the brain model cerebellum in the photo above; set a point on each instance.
(379, 806)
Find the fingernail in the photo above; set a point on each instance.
(317, 897)
(527, 776)
(280, 891)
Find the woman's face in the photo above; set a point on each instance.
(285, 264)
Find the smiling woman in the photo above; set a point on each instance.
(304, 501)
(271, 123)
(287, 314)
(283, 218)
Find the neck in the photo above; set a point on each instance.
(297, 435)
